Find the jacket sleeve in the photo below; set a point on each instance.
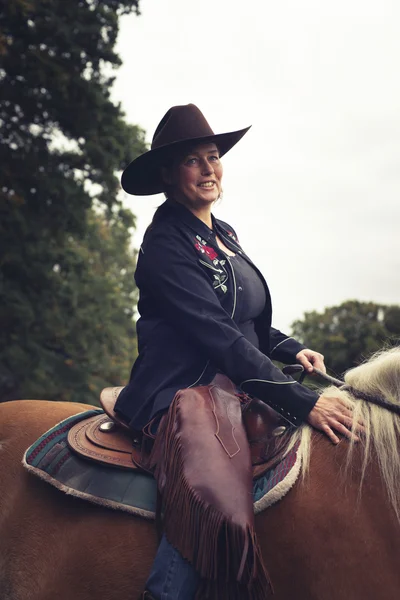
(186, 299)
(283, 348)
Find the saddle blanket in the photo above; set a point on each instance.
(51, 459)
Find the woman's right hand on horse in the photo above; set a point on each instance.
(330, 415)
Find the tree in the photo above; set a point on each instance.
(67, 289)
(349, 333)
(74, 333)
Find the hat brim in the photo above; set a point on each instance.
(142, 177)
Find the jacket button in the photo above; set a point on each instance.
(240, 288)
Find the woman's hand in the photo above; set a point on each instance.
(310, 359)
(331, 414)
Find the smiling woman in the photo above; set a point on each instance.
(205, 311)
(196, 178)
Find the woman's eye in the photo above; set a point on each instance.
(191, 161)
(214, 158)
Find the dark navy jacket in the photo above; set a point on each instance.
(187, 330)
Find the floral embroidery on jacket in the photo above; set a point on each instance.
(220, 275)
(212, 255)
(219, 282)
(232, 235)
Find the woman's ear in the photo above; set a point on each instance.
(166, 176)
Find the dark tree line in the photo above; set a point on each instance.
(66, 266)
(349, 333)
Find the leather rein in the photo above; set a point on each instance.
(377, 400)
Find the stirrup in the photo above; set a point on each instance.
(146, 596)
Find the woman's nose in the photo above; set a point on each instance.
(207, 167)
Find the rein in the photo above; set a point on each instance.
(377, 400)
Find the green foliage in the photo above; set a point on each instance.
(349, 333)
(72, 333)
(66, 269)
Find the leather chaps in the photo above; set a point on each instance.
(202, 464)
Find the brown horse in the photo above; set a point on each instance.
(335, 536)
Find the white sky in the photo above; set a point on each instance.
(313, 189)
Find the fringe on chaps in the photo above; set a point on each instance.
(202, 464)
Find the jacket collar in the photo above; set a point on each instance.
(197, 225)
(182, 213)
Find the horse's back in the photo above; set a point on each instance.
(54, 545)
(23, 421)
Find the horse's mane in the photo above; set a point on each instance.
(379, 376)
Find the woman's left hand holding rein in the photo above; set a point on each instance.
(309, 359)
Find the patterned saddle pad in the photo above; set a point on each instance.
(51, 459)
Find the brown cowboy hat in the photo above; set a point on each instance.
(180, 125)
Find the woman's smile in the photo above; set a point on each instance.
(207, 185)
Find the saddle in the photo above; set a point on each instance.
(109, 440)
(106, 438)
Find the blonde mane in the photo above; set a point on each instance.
(379, 376)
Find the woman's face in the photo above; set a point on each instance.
(196, 178)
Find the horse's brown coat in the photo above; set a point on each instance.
(57, 547)
(321, 542)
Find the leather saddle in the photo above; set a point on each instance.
(107, 439)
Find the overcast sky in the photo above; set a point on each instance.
(313, 189)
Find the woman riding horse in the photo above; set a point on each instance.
(204, 309)
(335, 535)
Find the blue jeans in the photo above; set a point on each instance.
(171, 577)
